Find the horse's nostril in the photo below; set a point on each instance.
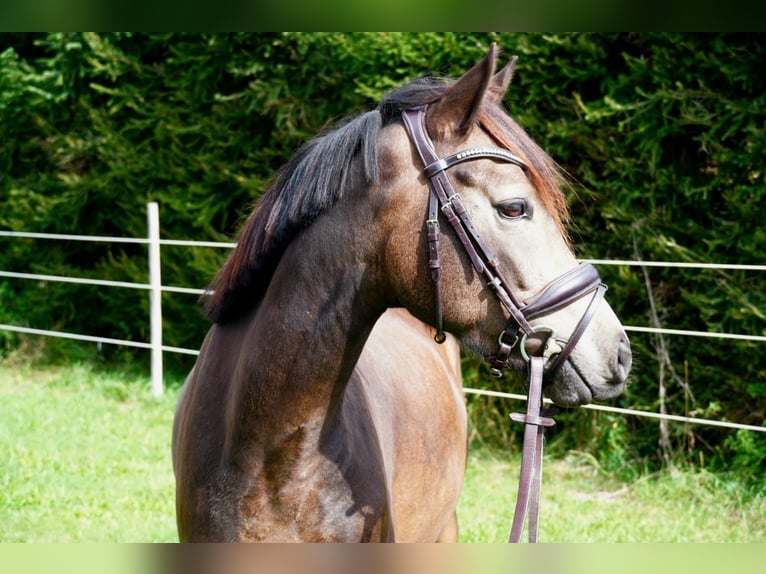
(624, 359)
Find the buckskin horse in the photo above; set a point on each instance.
(320, 407)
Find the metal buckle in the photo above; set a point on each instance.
(550, 348)
(502, 341)
(504, 353)
(448, 204)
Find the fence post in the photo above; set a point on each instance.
(155, 296)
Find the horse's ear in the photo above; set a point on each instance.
(500, 81)
(456, 111)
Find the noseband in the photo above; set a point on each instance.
(564, 290)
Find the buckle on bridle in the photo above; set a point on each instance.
(551, 346)
(506, 342)
(449, 205)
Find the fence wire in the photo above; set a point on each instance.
(214, 244)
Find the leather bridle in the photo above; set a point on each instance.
(567, 288)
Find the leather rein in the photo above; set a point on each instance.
(567, 288)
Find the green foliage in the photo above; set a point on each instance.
(748, 462)
(662, 135)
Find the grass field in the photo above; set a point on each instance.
(85, 457)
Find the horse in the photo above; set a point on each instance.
(321, 406)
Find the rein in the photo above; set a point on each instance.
(567, 288)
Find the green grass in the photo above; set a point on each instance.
(581, 504)
(85, 457)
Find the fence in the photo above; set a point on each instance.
(155, 289)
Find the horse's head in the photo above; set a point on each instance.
(518, 211)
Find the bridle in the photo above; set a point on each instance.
(562, 291)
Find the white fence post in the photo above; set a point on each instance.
(155, 296)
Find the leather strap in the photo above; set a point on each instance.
(579, 330)
(530, 474)
(434, 263)
(472, 153)
(564, 290)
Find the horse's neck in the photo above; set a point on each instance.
(303, 342)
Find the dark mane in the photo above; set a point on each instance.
(322, 172)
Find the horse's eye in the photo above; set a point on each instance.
(514, 209)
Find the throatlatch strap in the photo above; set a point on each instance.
(434, 263)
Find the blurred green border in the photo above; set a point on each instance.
(426, 15)
(380, 559)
